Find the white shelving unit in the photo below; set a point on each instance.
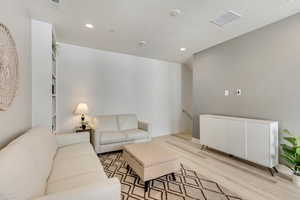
(44, 51)
(54, 54)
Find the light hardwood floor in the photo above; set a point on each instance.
(250, 182)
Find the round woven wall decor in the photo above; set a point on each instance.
(8, 68)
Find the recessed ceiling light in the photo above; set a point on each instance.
(175, 12)
(183, 49)
(89, 25)
(142, 43)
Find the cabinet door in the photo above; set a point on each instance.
(237, 138)
(213, 133)
(206, 134)
(257, 143)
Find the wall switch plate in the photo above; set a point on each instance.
(226, 93)
(238, 92)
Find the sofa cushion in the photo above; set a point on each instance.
(16, 171)
(136, 134)
(42, 144)
(112, 137)
(26, 164)
(75, 181)
(75, 150)
(127, 122)
(74, 166)
(106, 123)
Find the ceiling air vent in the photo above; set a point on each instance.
(55, 2)
(226, 18)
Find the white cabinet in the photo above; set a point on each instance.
(215, 134)
(258, 149)
(236, 140)
(249, 139)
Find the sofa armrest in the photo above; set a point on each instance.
(109, 190)
(145, 126)
(95, 139)
(65, 139)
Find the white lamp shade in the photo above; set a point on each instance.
(81, 108)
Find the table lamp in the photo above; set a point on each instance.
(82, 109)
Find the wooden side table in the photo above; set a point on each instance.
(79, 130)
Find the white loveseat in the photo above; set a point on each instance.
(114, 131)
(34, 167)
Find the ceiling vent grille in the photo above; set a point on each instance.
(55, 2)
(226, 18)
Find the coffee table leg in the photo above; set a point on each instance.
(147, 184)
(173, 177)
(128, 167)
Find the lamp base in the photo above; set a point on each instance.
(83, 125)
(82, 117)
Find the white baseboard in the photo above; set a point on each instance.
(196, 140)
(161, 134)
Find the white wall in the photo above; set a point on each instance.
(18, 118)
(41, 74)
(113, 83)
(265, 64)
(187, 96)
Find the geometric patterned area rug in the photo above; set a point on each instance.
(189, 185)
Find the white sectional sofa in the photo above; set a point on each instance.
(114, 131)
(35, 167)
